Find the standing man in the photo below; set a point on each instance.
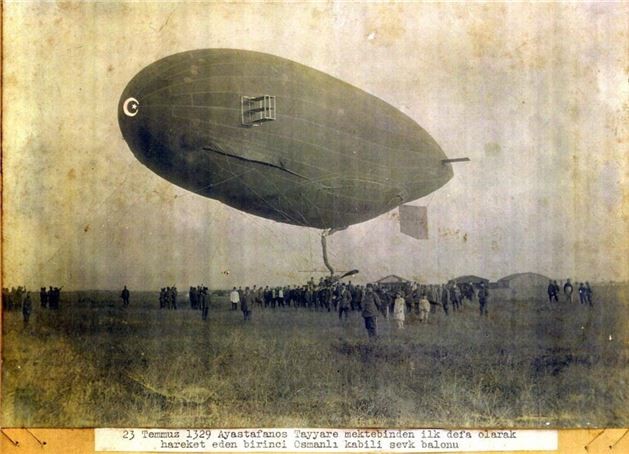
(567, 291)
(27, 308)
(125, 296)
(202, 296)
(552, 292)
(458, 297)
(246, 304)
(173, 297)
(557, 289)
(453, 297)
(582, 293)
(345, 301)
(234, 298)
(371, 306)
(51, 298)
(43, 297)
(259, 297)
(483, 295)
(588, 293)
(193, 294)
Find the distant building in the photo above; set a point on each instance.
(392, 282)
(522, 286)
(476, 280)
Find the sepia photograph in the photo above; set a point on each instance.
(315, 214)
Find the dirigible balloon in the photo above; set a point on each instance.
(277, 139)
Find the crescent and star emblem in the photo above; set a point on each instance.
(130, 107)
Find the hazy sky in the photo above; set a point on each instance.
(536, 96)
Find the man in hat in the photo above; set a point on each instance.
(371, 307)
(246, 304)
(345, 301)
(125, 294)
(27, 308)
(483, 295)
(567, 291)
(552, 292)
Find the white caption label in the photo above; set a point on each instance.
(323, 440)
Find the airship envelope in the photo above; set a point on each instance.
(277, 139)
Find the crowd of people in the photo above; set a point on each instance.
(584, 289)
(19, 299)
(370, 300)
(373, 300)
(200, 299)
(198, 296)
(168, 298)
(327, 295)
(15, 297)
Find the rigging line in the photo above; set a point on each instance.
(282, 195)
(273, 208)
(213, 185)
(283, 213)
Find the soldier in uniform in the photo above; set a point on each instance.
(27, 308)
(483, 295)
(567, 291)
(51, 297)
(588, 293)
(324, 297)
(371, 307)
(259, 296)
(345, 301)
(246, 304)
(162, 298)
(268, 295)
(43, 297)
(173, 297)
(453, 297)
(458, 297)
(125, 294)
(308, 298)
(552, 292)
(359, 297)
(202, 297)
(582, 293)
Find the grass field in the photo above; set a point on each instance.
(93, 363)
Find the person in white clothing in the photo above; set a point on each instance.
(424, 309)
(234, 298)
(399, 307)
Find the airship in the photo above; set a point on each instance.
(277, 139)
